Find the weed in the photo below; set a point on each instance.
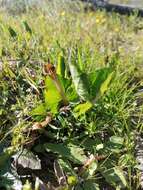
(77, 113)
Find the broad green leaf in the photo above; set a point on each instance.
(61, 66)
(66, 166)
(52, 101)
(39, 110)
(91, 144)
(99, 81)
(105, 84)
(66, 83)
(80, 81)
(115, 144)
(90, 185)
(82, 108)
(115, 176)
(71, 152)
(117, 140)
(51, 95)
(92, 168)
(71, 93)
(77, 152)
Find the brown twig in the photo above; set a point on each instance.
(40, 125)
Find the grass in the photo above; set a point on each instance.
(95, 149)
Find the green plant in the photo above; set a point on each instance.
(82, 118)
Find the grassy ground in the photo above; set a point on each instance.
(90, 141)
